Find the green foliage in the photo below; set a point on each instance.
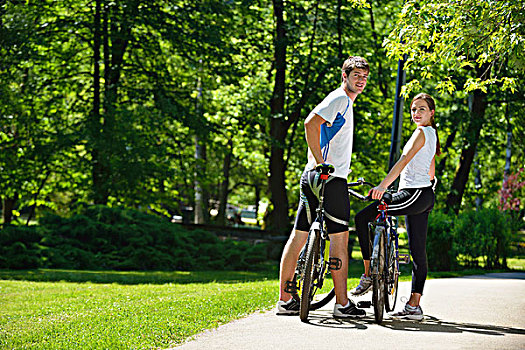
(20, 247)
(458, 35)
(485, 234)
(170, 71)
(121, 239)
(462, 240)
(441, 249)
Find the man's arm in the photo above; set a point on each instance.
(312, 127)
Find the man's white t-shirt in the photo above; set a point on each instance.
(337, 134)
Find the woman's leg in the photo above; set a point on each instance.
(362, 219)
(416, 206)
(417, 227)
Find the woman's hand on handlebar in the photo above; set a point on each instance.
(377, 192)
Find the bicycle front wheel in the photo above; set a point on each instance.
(391, 275)
(314, 305)
(378, 270)
(312, 251)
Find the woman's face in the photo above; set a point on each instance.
(421, 113)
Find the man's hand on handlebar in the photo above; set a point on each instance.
(325, 168)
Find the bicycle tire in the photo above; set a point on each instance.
(378, 285)
(312, 250)
(325, 300)
(392, 276)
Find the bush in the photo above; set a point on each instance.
(484, 233)
(121, 239)
(20, 247)
(463, 239)
(441, 250)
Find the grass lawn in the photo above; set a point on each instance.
(65, 309)
(114, 310)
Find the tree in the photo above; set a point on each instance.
(38, 129)
(474, 38)
(296, 79)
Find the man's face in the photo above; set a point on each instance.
(356, 80)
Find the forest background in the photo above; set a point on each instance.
(181, 108)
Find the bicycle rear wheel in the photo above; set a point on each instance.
(392, 275)
(312, 251)
(378, 269)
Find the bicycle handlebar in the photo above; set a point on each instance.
(387, 197)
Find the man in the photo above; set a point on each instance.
(329, 135)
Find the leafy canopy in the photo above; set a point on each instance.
(457, 34)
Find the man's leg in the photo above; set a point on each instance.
(291, 252)
(339, 249)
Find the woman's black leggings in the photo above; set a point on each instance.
(415, 204)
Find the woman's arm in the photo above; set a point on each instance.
(416, 142)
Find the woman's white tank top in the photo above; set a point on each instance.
(415, 174)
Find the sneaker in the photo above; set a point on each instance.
(365, 284)
(349, 310)
(290, 307)
(409, 312)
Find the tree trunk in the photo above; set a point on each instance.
(383, 86)
(477, 114)
(201, 194)
(444, 150)
(223, 199)
(97, 171)
(278, 219)
(477, 182)
(8, 205)
(257, 200)
(119, 31)
(35, 197)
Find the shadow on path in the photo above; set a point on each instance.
(433, 324)
(429, 324)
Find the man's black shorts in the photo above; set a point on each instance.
(336, 203)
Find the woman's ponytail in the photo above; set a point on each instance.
(438, 145)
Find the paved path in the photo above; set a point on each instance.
(475, 312)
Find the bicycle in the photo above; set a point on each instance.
(385, 258)
(314, 262)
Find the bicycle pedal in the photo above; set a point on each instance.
(291, 287)
(364, 304)
(335, 264)
(404, 258)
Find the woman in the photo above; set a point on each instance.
(415, 200)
